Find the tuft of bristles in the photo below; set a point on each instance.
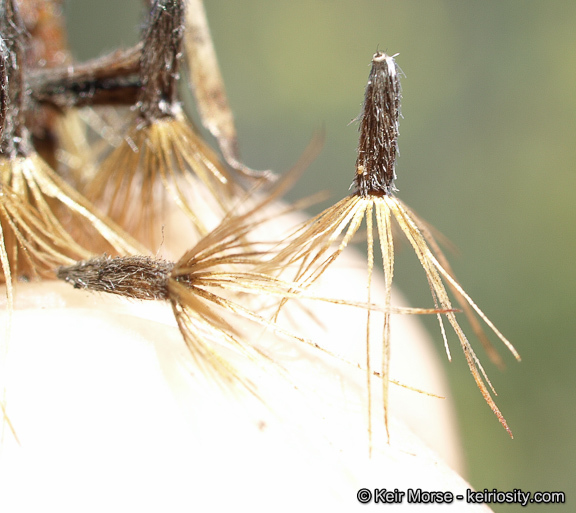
(162, 158)
(315, 245)
(209, 288)
(206, 289)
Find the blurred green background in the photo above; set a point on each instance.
(488, 156)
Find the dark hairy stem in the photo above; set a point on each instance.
(15, 137)
(160, 60)
(109, 80)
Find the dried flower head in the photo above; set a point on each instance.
(162, 157)
(209, 285)
(319, 241)
(206, 288)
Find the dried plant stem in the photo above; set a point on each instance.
(208, 87)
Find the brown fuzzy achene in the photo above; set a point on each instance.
(378, 144)
(136, 277)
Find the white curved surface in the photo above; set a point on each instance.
(112, 414)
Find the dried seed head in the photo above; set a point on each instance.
(378, 145)
(136, 277)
